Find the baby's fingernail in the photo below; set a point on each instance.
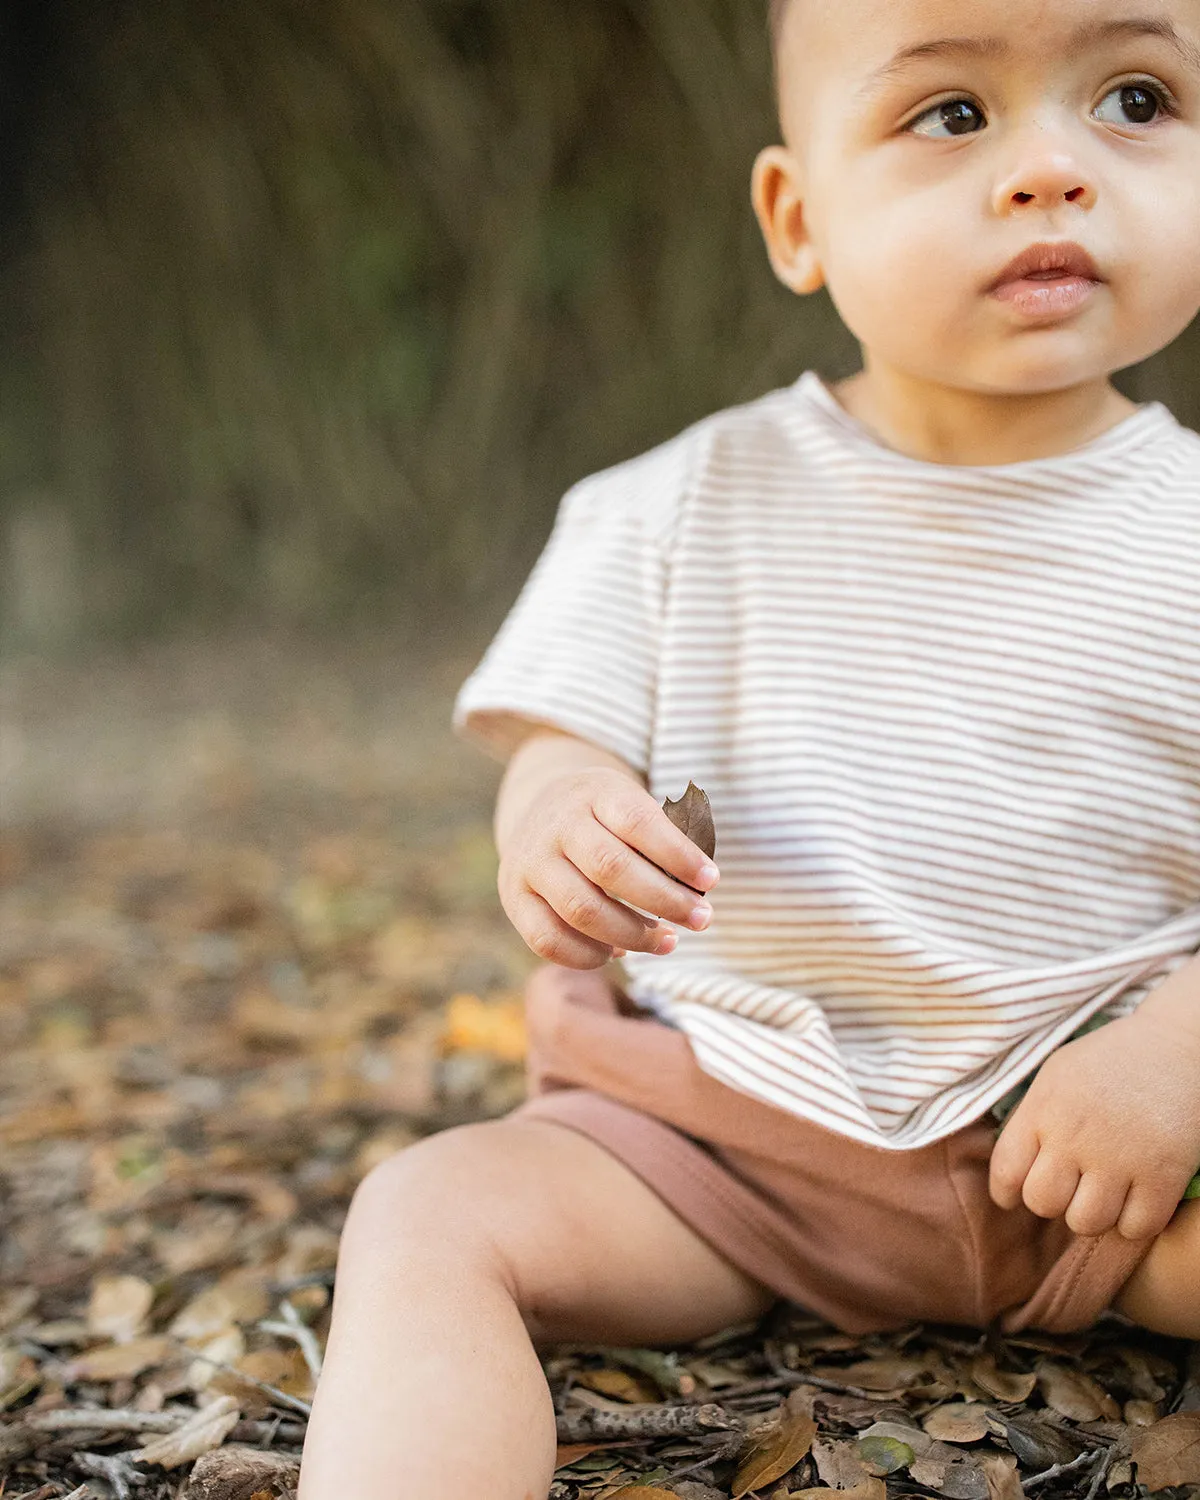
(701, 916)
(666, 943)
(708, 876)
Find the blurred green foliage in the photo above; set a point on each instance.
(324, 306)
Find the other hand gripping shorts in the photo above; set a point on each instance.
(867, 1238)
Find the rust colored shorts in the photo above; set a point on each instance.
(867, 1238)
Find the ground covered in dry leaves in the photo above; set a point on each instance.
(213, 1023)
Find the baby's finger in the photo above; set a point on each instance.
(1012, 1156)
(549, 936)
(1050, 1185)
(627, 876)
(585, 907)
(1146, 1213)
(636, 819)
(1097, 1204)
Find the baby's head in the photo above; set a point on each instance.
(928, 142)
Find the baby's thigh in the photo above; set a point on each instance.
(1163, 1294)
(587, 1251)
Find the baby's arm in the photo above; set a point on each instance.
(576, 828)
(1109, 1132)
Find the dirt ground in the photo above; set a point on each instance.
(249, 945)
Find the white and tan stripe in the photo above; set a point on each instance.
(949, 721)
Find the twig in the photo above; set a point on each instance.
(589, 1425)
(114, 1469)
(104, 1419)
(806, 1377)
(728, 1447)
(293, 1403)
(114, 1419)
(293, 1327)
(1056, 1470)
(1101, 1474)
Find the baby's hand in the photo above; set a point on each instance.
(593, 836)
(1109, 1132)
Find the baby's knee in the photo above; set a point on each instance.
(1163, 1294)
(458, 1199)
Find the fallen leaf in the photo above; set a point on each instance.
(118, 1307)
(239, 1297)
(1003, 1481)
(640, 1492)
(119, 1361)
(867, 1489)
(199, 1434)
(1073, 1394)
(1169, 1452)
(1005, 1385)
(838, 1464)
(957, 1422)
(883, 1454)
(570, 1453)
(958, 1479)
(494, 1027)
(620, 1384)
(1038, 1444)
(775, 1452)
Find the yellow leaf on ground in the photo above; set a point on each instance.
(496, 1027)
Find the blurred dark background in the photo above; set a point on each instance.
(310, 313)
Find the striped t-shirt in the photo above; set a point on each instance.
(948, 719)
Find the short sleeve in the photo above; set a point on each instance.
(578, 651)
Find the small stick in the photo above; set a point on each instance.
(294, 1403)
(1056, 1470)
(117, 1471)
(293, 1327)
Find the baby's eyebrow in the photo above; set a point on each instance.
(1089, 34)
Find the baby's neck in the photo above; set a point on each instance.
(948, 425)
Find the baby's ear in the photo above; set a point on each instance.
(776, 195)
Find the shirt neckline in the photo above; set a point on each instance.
(1151, 419)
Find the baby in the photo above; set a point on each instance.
(927, 638)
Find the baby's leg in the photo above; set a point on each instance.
(457, 1256)
(1163, 1294)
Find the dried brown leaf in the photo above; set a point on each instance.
(957, 1422)
(776, 1452)
(867, 1489)
(206, 1430)
(641, 1492)
(1169, 1452)
(838, 1464)
(118, 1307)
(119, 1361)
(1005, 1385)
(1073, 1394)
(620, 1385)
(1003, 1481)
(692, 815)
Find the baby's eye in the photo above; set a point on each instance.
(1142, 100)
(957, 115)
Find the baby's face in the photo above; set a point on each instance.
(908, 185)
